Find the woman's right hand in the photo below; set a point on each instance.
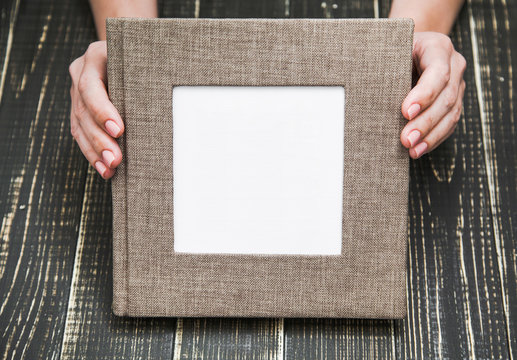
(94, 121)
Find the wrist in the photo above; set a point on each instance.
(120, 8)
(432, 15)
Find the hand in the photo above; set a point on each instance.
(433, 106)
(94, 121)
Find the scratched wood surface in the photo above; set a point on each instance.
(55, 234)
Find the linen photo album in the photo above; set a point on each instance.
(262, 171)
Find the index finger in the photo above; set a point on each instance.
(94, 94)
(435, 62)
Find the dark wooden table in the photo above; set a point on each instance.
(55, 235)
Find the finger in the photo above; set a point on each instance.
(434, 62)
(103, 144)
(447, 125)
(420, 150)
(92, 87)
(91, 155)
(440, 132)
(460, 64)
(417, 129)
(75, 70)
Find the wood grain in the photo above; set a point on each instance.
(492, 24)
(55, 234)
(338, 338)
(455, 308)
(91, 329)
(42, 176)
(227, 338)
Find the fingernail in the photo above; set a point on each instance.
(112, 128)
(108, 157)
(413, 111)
(413, 137)
(101, 168)
(420, 149)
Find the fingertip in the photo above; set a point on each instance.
(111, 158)
(115, 130)
(101, 169)
(404, 140)
(414, 137)
(411, 106)
(410, 136)
(413, 111)
(109, 174)
(108, 158)
(418, 150)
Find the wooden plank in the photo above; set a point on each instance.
(455, 310)
(91, 330)
(241, 9)
(333, 9)
(454, 301)
(493, 32)
(41, 176)
(9, 15)
(338, 338)
(230, 338)
(462, 248)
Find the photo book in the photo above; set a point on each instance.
(262, 173)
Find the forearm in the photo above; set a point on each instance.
(429, 15)
(103, 9)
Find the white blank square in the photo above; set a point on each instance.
(258, 170)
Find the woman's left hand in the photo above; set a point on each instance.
(433, 107)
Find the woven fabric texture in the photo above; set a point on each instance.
(370, 58)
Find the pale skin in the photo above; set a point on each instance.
(432, 108)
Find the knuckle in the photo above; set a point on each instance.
(456, 118)
(450, 98)
(78, 113)
(457, 115)
(445, 71)
(446, 42)
(462, 62)
(83, 84)
(73, 129)
(430, 93)
(79, 110)
(429, 123)
(90, 49)
(98, 143)
(97, 112)
(93, 49)
(71, 69)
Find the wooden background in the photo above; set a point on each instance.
(55, 235)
